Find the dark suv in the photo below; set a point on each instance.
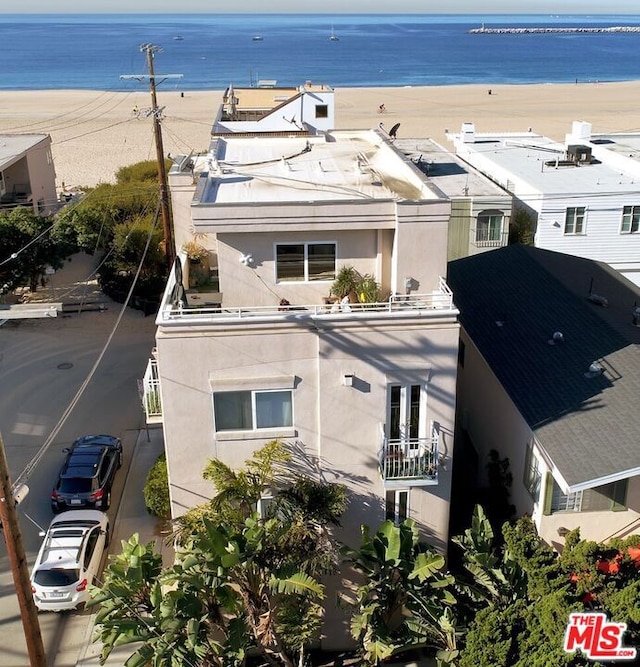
(87, 475)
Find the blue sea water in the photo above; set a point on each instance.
(92, 51)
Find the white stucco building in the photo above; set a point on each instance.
(582, 194)
(306, 109)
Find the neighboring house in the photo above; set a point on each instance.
(549, 376)
(308, 109)
(581, 195)
(480, 209)
(27, 174)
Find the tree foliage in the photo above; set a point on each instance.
(405, 601)
(241, 582)
(29, 245)
(522, 593)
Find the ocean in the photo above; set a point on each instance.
(92, 51)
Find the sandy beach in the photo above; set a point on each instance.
(94, 133)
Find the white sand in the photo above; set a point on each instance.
(95, 133)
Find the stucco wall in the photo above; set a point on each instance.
(335, 425)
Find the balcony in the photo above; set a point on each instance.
(432, 304)
(150, 393)
(483, 237)
(411, 461)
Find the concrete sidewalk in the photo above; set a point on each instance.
(131, 517)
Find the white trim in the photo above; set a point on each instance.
(243, 383)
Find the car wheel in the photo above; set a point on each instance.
(107, 502)
(107, 536)
(120, 459)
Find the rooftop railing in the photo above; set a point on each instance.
(430, 303)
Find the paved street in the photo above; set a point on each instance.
(43, 365)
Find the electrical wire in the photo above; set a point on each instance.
(24, 475)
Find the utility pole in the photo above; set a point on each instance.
(155, 112)
(19, 569)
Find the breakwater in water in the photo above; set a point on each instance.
(546, 31)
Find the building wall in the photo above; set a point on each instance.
(602, 240)
(255, 285)
(492, 422)
(42, 177)
(336, 428)
(598, 526)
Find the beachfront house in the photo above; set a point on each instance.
(27, 174)
(269, 109)
(549, 376)
(480, 209)
(580, 196)
(360, 384)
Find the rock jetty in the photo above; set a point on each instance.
(533, 31)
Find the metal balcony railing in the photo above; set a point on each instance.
(488, 238)
(429, 303)
(151, 401)
(411, 459)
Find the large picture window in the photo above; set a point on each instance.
(574, 220)
(630, 220)
(305, 261)
(252, 410)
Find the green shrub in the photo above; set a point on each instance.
(156, 489)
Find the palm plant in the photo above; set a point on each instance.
(405, 601)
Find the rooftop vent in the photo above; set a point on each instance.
(595, 370)
(579, 154)
(598, 300)
(557, 338)
(468, 133)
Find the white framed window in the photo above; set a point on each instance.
(532, 477)
(630, 220)
(574, 220)
(489, 228)
(397, 505)
(611, 497)
(252, 410)
(305, 262)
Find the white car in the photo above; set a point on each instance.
(69, 559)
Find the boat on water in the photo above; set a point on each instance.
(334, 37)
(257, 38)
(178, 38)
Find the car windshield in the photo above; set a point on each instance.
(59, 577)
(75, 485)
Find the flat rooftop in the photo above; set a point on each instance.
(267, 98)
(541, 163)
(341, 166)
(447, 171)
(12, 146)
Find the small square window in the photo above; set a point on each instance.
(322, 111)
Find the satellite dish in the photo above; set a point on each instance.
(394, 130)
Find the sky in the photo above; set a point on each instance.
(324, 7)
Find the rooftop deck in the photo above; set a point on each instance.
(433, 304)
